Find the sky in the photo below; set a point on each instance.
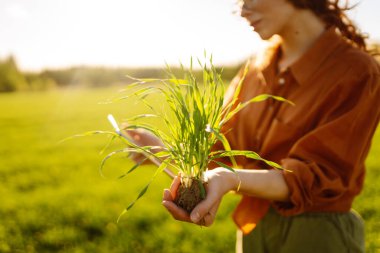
(44, 34)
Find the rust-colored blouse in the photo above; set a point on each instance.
(323, 140)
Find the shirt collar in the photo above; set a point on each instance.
(309, 63)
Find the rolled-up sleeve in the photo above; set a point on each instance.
(324, 169)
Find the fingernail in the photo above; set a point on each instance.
(195, 217)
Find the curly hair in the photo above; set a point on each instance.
(333, 14)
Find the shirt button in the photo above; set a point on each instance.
(281, 81)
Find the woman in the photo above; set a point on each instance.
(319, 62)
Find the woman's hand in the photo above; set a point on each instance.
(219, 182)
(141, 138)
(168, 202)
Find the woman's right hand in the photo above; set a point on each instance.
(141, 137)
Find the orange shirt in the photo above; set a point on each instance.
(323, 140)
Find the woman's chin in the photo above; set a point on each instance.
(264, 36)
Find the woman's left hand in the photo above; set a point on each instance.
(168, 202)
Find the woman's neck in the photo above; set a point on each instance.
(297, 37)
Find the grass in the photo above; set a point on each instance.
(54, 200)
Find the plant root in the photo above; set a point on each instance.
(188, 197)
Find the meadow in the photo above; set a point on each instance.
(53, 198)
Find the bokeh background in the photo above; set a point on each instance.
(59, 60)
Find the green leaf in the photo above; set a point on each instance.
(256, 99)
(89, 133)
(135, 166)
(145, 189)
(108, 157)
(122, 213)
(226, 146)
(248, 154)
(225, 166)
(150, 80)
(137, 149)
(236, 94)
(263, 97)
(141, 116)
(202, 189)
(108, 144)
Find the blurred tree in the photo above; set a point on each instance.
(38, 82)
(11, 79)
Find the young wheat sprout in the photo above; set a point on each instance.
(194, 115)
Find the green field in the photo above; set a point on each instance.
(53, 198)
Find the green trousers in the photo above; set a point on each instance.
(305, 233)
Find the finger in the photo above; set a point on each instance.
(167, 201)
(137, 157)
(203, 207)
(124, 125)
(134, 135)
(214, 208)
(209, 218)
(174, 186)
(128, 132)
(167, 195)
(177, 212)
